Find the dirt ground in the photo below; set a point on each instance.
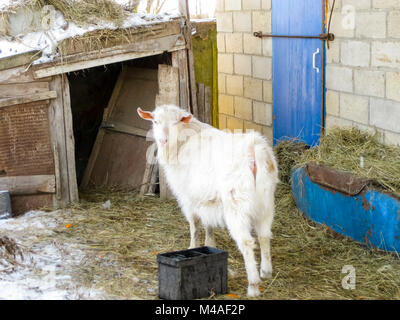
(90, 251)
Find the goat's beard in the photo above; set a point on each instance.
(168, 154)
(162, 153)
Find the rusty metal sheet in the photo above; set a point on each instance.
(25, 147)
(337, 180)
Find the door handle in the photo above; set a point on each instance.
(313, 60)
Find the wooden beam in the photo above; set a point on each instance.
(105, 41)
(19, 59)
(23, 89)
(123, 128)
(5, 102)
(24, 185)
(129, 52)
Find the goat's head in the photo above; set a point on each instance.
(165, 119)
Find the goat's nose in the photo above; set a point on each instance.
(163, 141)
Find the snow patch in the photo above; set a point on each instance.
(45, 270)
(48, 40)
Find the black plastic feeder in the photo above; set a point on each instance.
(192, 274)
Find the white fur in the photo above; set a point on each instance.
(210, 174)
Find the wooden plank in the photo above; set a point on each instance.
(200, 102)
(192, 82)
(134, 51)
(207, 104)
(21, 89)
(69, 141)
(100, 136)
(153, 180)
(121, 161)
(79, 65)
(148, 177)
(19, 185)
(124, 128)
(168, 85)
(57, 172)
(19, 59)
(179, 60)
(57, 136)
(121, 153)
(23, 203)
(105, 43)
(168, 82)
(5, 102)
(165, 191)
(184, 10)
(19, 74)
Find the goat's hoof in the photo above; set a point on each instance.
(266, 274)
(253, 290)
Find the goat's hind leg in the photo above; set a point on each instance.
(245, 242)
(263, 229)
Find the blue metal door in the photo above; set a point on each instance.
(297, 70)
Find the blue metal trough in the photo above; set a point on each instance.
(349, 205)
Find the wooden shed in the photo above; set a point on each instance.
(72, 120)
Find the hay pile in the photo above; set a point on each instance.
(121, 244)
(287, 153)
(10, 254)
(360, 153)
(81, 12)
(107, 24)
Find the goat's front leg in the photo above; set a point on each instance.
(210, 239)
(194, 232)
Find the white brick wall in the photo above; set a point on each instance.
(355, 53)
(363, 67)
(244, 65)
(362, 73)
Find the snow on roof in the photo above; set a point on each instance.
(47, 40)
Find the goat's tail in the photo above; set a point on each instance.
(266, 175)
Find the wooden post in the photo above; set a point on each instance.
(184, 10)
(57, 135)
(69, 141)
(179, 60)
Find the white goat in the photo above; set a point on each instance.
(220, 178)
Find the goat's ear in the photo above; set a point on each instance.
(186, 119)
(146, 115)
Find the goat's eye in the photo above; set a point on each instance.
(156, 122)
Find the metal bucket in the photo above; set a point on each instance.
(5, 205)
